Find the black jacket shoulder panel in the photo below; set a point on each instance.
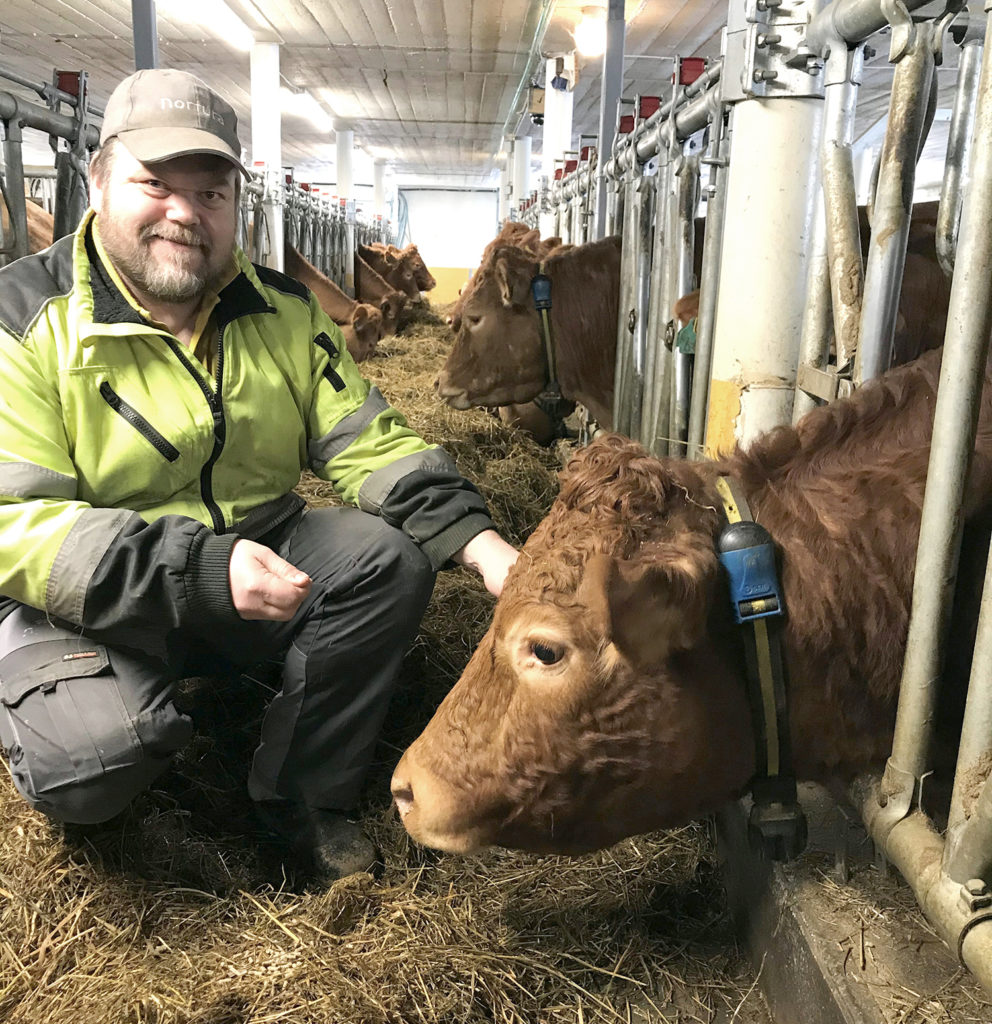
(282, 282)
(27, 284)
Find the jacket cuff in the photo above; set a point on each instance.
(443, 545)
(208, 587)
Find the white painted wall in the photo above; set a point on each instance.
(451, 227)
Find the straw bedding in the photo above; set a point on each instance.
(178, 912)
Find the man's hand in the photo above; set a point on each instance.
(490, 556)
(263, 585)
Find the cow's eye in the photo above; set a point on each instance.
(545, 653)
(474, 321)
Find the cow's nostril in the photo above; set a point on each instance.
(437, 383)
(403, 795)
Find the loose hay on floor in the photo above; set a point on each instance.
(178, 912)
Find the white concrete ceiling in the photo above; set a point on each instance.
(428, 85)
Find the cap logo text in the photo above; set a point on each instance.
(170, 104)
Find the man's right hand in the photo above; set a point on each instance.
(263, 585)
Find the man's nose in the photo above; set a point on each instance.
(182, 209)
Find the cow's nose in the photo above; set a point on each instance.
(403, 795)
(437, 383)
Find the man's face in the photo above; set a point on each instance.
(168, 227)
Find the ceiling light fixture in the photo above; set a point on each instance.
(299, 103)
(590, 32)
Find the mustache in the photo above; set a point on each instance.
(184, 236)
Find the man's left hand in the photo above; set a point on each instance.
(490, 556)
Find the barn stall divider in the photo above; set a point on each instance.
(772, 125)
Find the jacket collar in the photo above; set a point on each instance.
(103, 305)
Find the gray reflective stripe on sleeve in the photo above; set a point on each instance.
(81, 551)
(322, 449)
(28, 480)
(377, 486)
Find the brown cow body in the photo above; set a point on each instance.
(499, 354)
(495, 358)
(360, 323)
(608, 697)
(394, 270)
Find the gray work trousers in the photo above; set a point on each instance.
(87, 725)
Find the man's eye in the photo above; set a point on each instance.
(545, 653)
(212, 197)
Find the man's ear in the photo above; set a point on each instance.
(649, 608)
(512, 278)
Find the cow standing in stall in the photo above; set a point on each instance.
(499, 355)
(608, 698)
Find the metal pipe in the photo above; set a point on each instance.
(657, 372)
(45, 120)
(958, 148)
(717, 153)
(817, 328)
(958, 913)
(145, 33)
(893, 205)
(686, 204)
(968, 853)
(14, 177)
(624, 377)
(611, 84)
(646, 139)
(843, 235)
(46, 91)
(512, 122)
(966, 343)
(851, 20)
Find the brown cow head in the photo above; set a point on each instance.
(363, 332)
(498, 357)
(424, 278)
(390, 306)
(605, 700)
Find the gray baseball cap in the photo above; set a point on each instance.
(159, 113)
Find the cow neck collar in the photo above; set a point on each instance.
(550, 400)
(777, 824)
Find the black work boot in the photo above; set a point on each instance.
(325, 845)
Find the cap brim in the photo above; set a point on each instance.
(153, 145)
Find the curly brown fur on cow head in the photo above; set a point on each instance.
(591, 709)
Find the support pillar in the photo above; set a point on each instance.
(612, 85)
(266, 142)
(521, 173)
(345, 148)
(504, 195)
(379, 188)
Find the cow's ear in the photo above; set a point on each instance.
(648, 608)
(511, 278)
(360, 316)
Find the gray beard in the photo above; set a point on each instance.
(171, 279)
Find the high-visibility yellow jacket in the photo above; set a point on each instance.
(127, 472)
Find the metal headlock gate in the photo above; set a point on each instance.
(325, 229)
(791, 316)
(68, 90)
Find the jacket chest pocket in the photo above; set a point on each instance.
(135, 443)
(162, 445)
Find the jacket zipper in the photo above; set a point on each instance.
(215, 401)
(323, 341)
(165, 448)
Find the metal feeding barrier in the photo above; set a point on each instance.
(791, 315)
